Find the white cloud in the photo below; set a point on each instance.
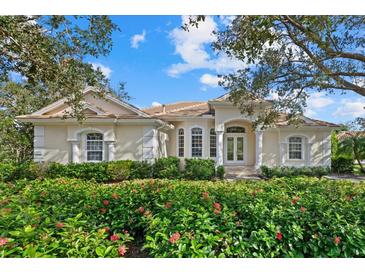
(156, 104)
(104, 69)
(209, 80)
(317, 102)
(310, 113)
(137, 39)
(351, 108)
(191, 46)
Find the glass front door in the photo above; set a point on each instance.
(235, 149)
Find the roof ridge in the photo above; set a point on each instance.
(169, 104)
(180, 109)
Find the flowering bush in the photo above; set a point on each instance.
(283, 217)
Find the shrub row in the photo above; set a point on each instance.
(342, 164)
(282, 217)
(268, 172)
(163, 168)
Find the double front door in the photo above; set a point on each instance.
(235, 147)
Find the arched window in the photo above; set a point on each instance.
(196, 142)
(213, 143)
(94, 147)
(295, 148)
(236, 130)
(180, 141)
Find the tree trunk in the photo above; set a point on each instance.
(360, 164)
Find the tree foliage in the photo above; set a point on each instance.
(287, 57)
(354, 143)
(50, 51)
(42, 59)
(16, 138)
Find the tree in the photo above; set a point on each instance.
(287, 57)
(47, 54)
(353, 142)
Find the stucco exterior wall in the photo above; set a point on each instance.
(128, 144)
(224, 114)
(129, 141)
(316, 147)
(56, 146)
(270, 148)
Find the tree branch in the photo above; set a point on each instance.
(322, 67)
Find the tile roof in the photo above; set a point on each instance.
(196, 109)
(342, 135)
(178, 109)
(306, 121)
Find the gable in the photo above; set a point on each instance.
(94, 105)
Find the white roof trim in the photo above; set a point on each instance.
(87, 90)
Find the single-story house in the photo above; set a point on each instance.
(116, 130)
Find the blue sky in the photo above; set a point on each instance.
(161, 63)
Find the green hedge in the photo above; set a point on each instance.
(167, 168)
(163, 168)
(268, 172)
(199, 169)
(86, 171)
(281, 217)
(342, 164)
(15, 171)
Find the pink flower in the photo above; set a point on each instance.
(141, 209)
(60, 225)
(279, 236)
(106, 202)
(217, 206)
(205, 195)
(114, 237)
(125, 231)
(122, 250)
(3, 241)
(216, 211)
(295, 200)
(102, 210)
(174, 237)
(337, 240)
(303, 209)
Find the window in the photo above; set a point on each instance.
(196, 142)
(94, 147)
(213, 143)
(236, 130)
(295, 148)
(180, 140)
